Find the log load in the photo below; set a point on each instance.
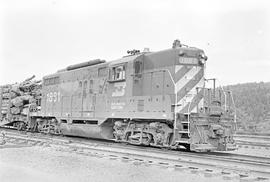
(16, 98)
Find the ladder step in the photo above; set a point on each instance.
(187, 113)
(184, 122)
(184, 131)
(182, 141)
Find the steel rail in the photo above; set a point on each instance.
(253, 165)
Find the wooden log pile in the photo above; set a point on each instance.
(16, 97)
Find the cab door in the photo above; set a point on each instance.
(88, 99)
(138, 77)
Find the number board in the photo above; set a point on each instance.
(188, 60)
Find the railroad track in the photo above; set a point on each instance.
(227, 165)
(253, 141)
(263, 137)
(255, 144)
(253, 138)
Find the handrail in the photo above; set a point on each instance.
(233, 106)
(189, 117)
(234, 110)
(225, 99)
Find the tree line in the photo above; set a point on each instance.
(252, 102)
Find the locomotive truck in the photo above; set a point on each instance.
(145, 98)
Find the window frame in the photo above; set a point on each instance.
(113, 73)
(52, 81)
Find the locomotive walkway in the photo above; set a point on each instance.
(227, 165)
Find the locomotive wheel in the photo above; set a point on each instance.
(45, 129)
(116, 137)
(49, 129)
(187, 146)
(19, 125)
(147, 140)
(57, 131)
(140, 138)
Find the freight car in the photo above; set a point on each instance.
(145, 98)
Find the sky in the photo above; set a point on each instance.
(39, 37)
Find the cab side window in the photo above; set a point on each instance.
(138, 67)
(118, 73)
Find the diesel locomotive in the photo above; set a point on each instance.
(145, 98)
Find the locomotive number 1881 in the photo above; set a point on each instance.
(53, 97)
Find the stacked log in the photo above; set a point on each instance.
(16, 97)
(5, 99)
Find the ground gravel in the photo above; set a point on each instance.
(24, 163)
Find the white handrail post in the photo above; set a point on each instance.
(225, 99)
(234, 111)
(189, 117)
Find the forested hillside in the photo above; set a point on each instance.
(252, 101)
